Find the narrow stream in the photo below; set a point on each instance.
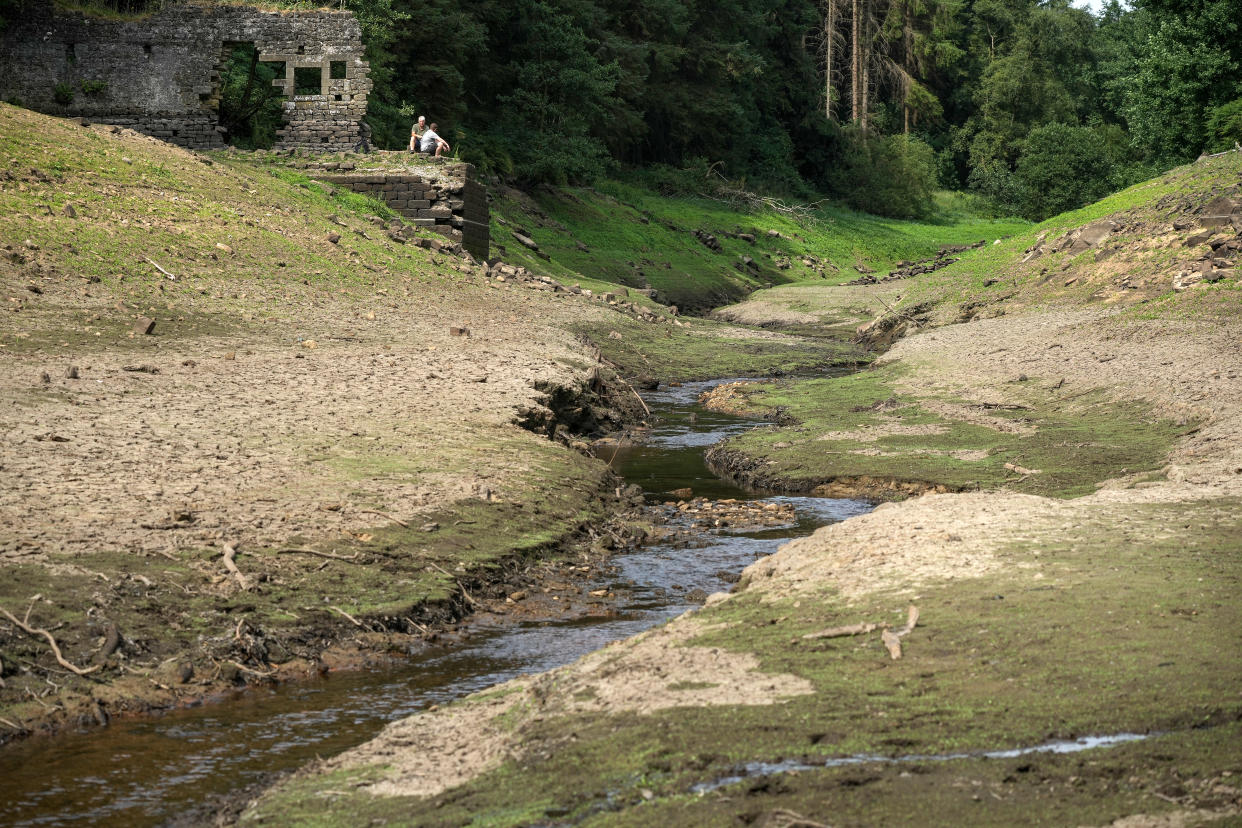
(154, 770)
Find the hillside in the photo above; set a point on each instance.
(1099, 603)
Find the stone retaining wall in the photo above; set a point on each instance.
(160, 74)
(454, 205)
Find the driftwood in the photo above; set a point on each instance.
(401, 523)
(230, 563)
(348, 617)
(460, 586)
(161, 270)
(301, 551)
(837, 632)
(37, 631)
(890, 637)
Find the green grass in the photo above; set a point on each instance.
(1110, 635)
(636, 237)
(858, 426)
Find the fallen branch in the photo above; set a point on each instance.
(460, 586)
(161, 270)
(892, 642)
(896, 312)
(348, 617)
(1013, 467)
(401, 523)
(837, 632)
(230, 563)
(300, 551)
(12, 724)
(246, 669)
(60, 659)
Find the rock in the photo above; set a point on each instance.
(1186, 279)
(70, 211)
(1218, 275)
(224, 248)
(582, 247)
(45, 378)
(747, 237)
(430, 527)
(1096, 232)
(35, 289)
(682, 493)
(708, 240)
(525, 241)
(333, 237)
(1199, 238)
(458, 331)
(614, 335)
(143, 326)
(71, 372)
(774, 234)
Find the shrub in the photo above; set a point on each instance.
(1062, 167)
(62, 93)
(891, 175)
(1224, 126)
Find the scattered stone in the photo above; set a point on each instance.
(430, 527)
(141, 369)
(615, 335)
(308, 344)
(747, 237)
(143, 326)
(333, 237)
(45, 377)
(1198, 238)
(69, 211)
(71, 372)
(525, 241)
(35, 289)
(682, 494)
(224, 248)
(708, 240)
(456, 331)
(230, 355)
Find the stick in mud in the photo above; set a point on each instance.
(230, 563)
(60, 659)
(401, 523)
(301, 551)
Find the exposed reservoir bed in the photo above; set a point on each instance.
(155, 770)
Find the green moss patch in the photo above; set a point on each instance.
(859, 426)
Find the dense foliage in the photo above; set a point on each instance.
(1036, 104)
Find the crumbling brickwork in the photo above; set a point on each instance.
(453, 203)
(160, 75)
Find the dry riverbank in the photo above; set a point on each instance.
(1047, 611)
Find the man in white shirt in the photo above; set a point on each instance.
(432, 141)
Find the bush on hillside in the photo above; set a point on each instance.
(1224, 126)
(1062, 167)
(892, 175)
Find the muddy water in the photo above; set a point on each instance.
(156, 770)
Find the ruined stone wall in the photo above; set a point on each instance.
(160, 75)
(453, 203)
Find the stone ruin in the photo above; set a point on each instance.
(160, 74)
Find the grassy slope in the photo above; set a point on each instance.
(254, 270)
(622, 235)
(994, 280)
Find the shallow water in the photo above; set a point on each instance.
(153, 770)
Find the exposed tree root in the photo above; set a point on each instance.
(37, 631)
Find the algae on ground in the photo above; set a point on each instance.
(859, 426)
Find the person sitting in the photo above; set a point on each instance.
(416, 133)
(431, 142)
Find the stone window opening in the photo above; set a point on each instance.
(146, 50)
(336, 70)
(307, 80)
(249, 95)
(71, 53)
